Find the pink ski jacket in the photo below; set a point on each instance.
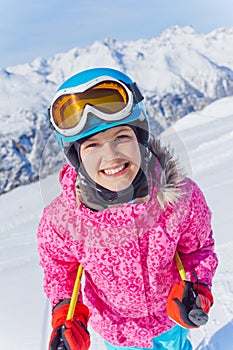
(127, 252)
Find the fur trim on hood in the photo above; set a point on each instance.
(169, 175)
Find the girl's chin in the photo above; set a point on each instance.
(115, 186)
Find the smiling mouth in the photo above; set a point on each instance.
(117, 170)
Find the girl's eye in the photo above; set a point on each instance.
(122, 137)
(92, 145)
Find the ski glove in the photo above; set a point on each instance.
(69, 334)
(189, 303)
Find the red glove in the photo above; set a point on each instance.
(189, 303)
(71, 334)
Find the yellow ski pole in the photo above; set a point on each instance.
(75, 292)
(180, 267)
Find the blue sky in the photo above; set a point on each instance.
(29, 29)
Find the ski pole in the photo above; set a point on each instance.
(73, 302)
(180, 267)
(75, 292)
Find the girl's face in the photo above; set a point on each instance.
(112, 158)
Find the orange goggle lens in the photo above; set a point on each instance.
(108, 97)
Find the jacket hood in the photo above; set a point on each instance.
(167, 175)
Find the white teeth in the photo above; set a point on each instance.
(114, 171)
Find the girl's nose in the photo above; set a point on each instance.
(109, 150)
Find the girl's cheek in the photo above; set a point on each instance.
(90, 163)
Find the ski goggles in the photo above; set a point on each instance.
(105, 98)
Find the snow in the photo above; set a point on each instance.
(204, 142)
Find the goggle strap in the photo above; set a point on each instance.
(137, 96)
(50, 123)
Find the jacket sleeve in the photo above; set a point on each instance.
(196, 243)
(56, 259)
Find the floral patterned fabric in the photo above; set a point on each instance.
(127, 253)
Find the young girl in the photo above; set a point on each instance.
(124, 214)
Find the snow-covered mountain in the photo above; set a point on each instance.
(204, 142)
(179, 72)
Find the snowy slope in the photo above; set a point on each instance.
(204, 141)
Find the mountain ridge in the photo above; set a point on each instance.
(179, 72)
